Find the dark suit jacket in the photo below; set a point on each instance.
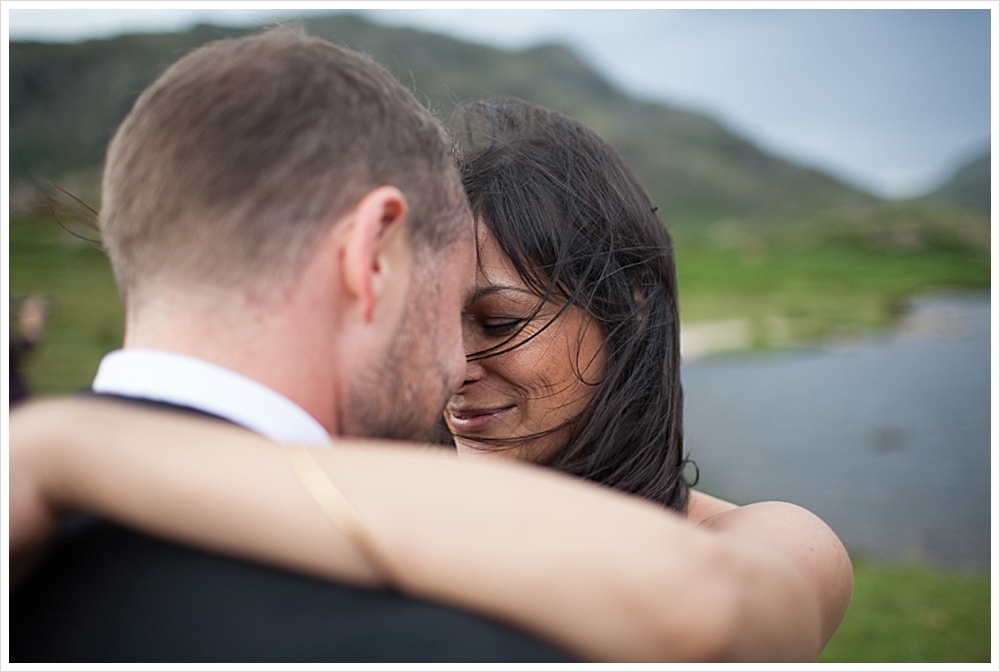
(105, 593)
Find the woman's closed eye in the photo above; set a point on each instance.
(501, 311)
(501, 326)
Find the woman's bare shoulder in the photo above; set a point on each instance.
(701, 507)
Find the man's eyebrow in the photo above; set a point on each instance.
(487, 290)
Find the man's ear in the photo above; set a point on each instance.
(376, 246)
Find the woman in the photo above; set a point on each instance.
(568, 236)
(573, 364)
(576, 367)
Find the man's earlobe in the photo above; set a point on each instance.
(374, 233)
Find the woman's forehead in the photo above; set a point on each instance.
(495, 268)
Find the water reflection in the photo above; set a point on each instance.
(887, 439)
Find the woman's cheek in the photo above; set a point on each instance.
(530, 366)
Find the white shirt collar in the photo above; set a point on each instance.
(186, 381)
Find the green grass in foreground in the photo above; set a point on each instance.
(912, 614)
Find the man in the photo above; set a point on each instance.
(32, 315)
(293, 248)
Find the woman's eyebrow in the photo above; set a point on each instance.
(487, 290)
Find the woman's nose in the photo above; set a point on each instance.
(473, 371)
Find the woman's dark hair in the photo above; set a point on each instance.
(579, 228)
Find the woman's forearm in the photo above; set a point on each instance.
(197, 481)
(606, 576)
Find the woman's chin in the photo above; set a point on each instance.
(467, 448)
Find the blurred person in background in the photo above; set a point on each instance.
(31, 320)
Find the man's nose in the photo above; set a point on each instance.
(458, 370)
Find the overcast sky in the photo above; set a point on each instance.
(889, 100)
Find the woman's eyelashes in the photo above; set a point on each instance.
(501, 326)
(503, 313)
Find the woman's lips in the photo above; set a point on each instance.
(473, 420)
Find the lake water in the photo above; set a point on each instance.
(887, 439)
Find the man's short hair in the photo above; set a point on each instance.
(239, 157)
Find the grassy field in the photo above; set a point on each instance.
(830, 289)
(897, 614)
(914, 614)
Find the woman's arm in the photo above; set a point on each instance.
(606, 576)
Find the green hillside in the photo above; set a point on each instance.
(969, 187)
(66, 100)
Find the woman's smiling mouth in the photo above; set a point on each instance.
(474, 420)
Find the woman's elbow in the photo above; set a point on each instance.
(778, 617)
(745, 605)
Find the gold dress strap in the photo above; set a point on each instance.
(336, 507)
